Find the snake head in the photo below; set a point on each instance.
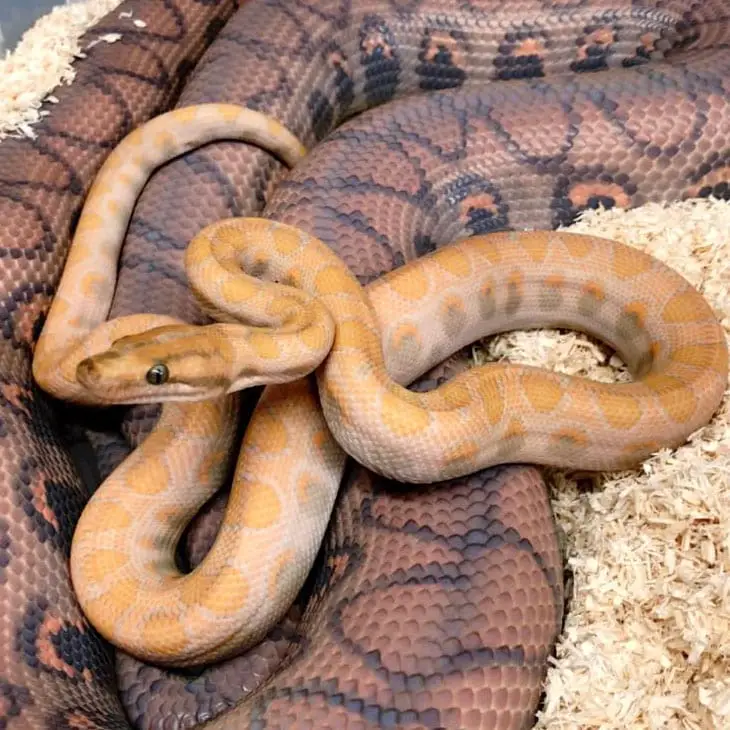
(168, 363)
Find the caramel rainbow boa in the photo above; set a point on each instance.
(286, 306)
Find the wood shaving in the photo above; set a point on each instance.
(647, 638)
(42, 60)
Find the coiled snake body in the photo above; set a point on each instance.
(448, 162)
(125, 576)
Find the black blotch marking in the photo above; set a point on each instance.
(327, 113)
(322, 114)
(13, 698)
(720, 190)
(565, 211)
(511, 62)
(18, 298)
(17, 399)
(344, 85)
(595, 52)
(35, 492)
(482, 207)
(78, 654)
(5, 549)
(438, 68)
(380, 59)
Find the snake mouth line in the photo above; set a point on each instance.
(135, 393)
(145, 390)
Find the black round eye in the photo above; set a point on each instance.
(158, 374)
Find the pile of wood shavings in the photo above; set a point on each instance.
(42, 61)
(647, 638)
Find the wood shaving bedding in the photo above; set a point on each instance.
(42, 61)
(647, 637)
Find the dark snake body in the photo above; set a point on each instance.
(429, 607)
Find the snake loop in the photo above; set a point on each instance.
(676, 348)
(430, 607)
(314, 315)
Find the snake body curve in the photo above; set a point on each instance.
(123, 553)
(698, 77)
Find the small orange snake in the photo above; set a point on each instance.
(365, 345)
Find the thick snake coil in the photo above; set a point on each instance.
(123, 554)
(432, 607)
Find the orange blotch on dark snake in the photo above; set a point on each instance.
(49, 644)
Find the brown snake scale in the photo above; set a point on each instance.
(429, 607)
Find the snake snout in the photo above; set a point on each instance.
(94, 371)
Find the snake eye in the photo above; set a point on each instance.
(158, 374)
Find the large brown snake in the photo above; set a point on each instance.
(388, 553)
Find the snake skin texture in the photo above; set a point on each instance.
(310, 310)
(605, 101)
